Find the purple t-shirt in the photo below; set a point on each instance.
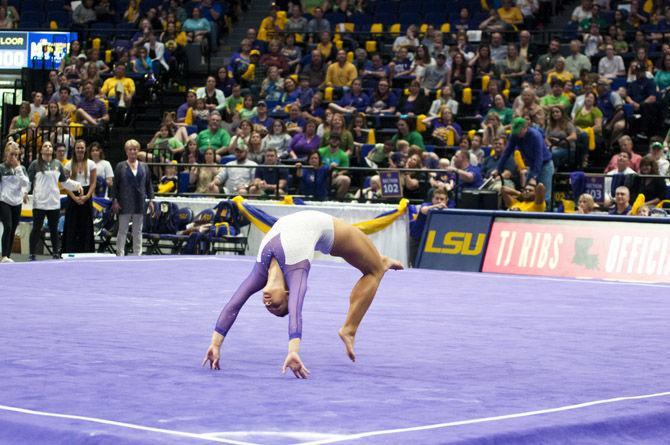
(303, 147)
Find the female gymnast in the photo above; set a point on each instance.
(281, 271)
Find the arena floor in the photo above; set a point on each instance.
(108, 351)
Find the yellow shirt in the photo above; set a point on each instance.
(511, 16)
(528, 206)
(109, 87)
(68, 110)
(337, 76)
(564, 76)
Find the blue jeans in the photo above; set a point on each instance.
(545, 177)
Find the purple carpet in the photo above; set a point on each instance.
(109, 351)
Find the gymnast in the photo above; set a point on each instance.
(281, 271)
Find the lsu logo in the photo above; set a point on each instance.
(455, 243)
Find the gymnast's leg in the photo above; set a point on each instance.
(355, 248)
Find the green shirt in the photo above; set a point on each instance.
(505, 115)
(550, 100)
(582, 120)
(413, 138)
(217, 140)
(246, 114)
(232, 102)
(339, 158)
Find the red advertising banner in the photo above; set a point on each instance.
(580, 249)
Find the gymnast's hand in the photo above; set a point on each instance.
(213, 355)
(293, 361)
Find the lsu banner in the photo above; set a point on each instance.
(454, 241)
(580, 249)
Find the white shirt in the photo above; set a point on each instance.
(608, 180)
(104, 170)
(80, 177)
(610, 67)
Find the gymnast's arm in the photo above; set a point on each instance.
(296, 281)
(252, 284)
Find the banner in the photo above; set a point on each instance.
(33, 49)
(580, 249)
(453, 241)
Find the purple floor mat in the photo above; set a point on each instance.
(109, 352)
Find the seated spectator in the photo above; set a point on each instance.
(468, 175)
(214, 97)
(589, 115)
(304, 92)
(272, 87)
(547, 61)
(556, 98)
(23, 120)
(414, 183)
(119, 91)
(104, 12)
(296, 23)
(374, 70)
(408, 41)
(611, 65)
(497, 48)
(657, 154)
(67, 108)
(235, 101)
(191, 154)
(314, 70)
(464, 22)
(202, 176)
(53, 116)
(621, 205)
(326, 47)
(513, 68)
(261, 121)
(493, 23)
(278, 139)
(383, 100)
(234, 180)
(354, 101)
(435, 75)
(142, 64)
(611, 105)
(360, 132)
(593, 40)
(274, 58)
(341, 73)
(337, 126)
(421, 61)
(460, 75)
(315, 109)
(626, 146)
(415, 103)
(317, 25)
(527, 104)
(401, 65)
(653, 189)
(255, 147)
(6, 22)
(490, 164)
(510, 14)
(272, 25)
(84, 14)
(197, 27)
(576, 61)
(90, 108)
(332, 155)
(270, 181)
(313, 181)
(531, 199)
(445, 100)
(560, 137)
(305, 143)
(444, 129)
(214, 136)
(501, 109)
(294, 122)
(559, 72)
(289, 95)
(407, 133)
(662, 76)
(641, 94)
(291, 52)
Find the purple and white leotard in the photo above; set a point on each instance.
(292, 242)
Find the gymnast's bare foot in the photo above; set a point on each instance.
(390, 263)
(348, 340)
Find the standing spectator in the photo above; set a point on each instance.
(131, 190)
(14, 185)
(78, 228)
(104, 171)
(535, 153)
(45, 174)
(469, 176)
(561, 136)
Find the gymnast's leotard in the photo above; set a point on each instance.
(292, 242)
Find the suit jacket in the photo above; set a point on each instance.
(132, 190)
